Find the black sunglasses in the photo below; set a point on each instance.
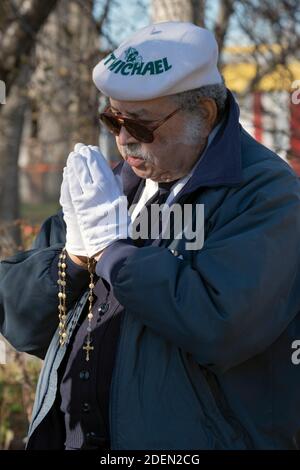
(139, 129)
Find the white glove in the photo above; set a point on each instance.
(79, 146)
(74, 241)
(97, 197)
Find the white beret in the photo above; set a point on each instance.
(161, 59)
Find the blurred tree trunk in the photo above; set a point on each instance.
(225, 11)
(180, 10)
(198, 12)
(11, 126)
(64, 99)
(19, 25)
(19, 37)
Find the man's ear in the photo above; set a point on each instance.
(209, 112)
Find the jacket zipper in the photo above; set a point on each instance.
(114, 389)
(225, 409)
(107, 328)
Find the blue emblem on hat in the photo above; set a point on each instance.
(132, 55)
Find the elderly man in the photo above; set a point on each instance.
(162, 343)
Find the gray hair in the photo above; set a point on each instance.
(189, 100)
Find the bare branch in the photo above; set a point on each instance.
(226, 9)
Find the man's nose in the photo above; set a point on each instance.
(125, 138)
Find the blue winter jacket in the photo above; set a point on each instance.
(205, 356)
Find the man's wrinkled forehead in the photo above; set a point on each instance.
(150, 109)
(137, 113)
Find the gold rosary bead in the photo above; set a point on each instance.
(62, 297)
(90, 316)
(91, 298)
(91, 285)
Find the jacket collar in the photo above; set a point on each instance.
(220, 165)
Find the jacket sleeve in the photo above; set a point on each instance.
(241, 289)
(28, 290)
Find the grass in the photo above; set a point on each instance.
(37, 213)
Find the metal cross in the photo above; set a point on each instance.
(88, 348)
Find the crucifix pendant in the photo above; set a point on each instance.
(88, 348)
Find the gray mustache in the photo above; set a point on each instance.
(134, 150)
